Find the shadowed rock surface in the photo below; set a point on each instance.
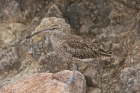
(110, 24)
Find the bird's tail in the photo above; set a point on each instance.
(105, 53)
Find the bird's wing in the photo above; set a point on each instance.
(75, 47)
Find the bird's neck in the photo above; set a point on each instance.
(56, 38)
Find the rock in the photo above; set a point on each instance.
(10, 12)
(10, 32)
(130, 80)
(48, 83)
(54, 12)
(53, 63)
(93, 90)
(134, 55)
(109, 24)
(8, 58)
(130, 76)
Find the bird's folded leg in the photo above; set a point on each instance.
(69, 80)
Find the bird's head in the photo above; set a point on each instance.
(52, 31)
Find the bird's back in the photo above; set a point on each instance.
(74, 48)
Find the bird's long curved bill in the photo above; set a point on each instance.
(46, 30)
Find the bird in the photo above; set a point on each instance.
(72, 47)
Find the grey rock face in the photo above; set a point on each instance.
(130, 80)
(110, 24)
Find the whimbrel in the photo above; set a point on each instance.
(72, 47)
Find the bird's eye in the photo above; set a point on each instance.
(53, 28)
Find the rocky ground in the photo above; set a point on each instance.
(30, 63)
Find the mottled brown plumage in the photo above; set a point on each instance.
(72, 47)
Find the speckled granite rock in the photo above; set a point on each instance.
(47, 83)
(130, 80)
(10, 32)
(130, 76)
(109, 24)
